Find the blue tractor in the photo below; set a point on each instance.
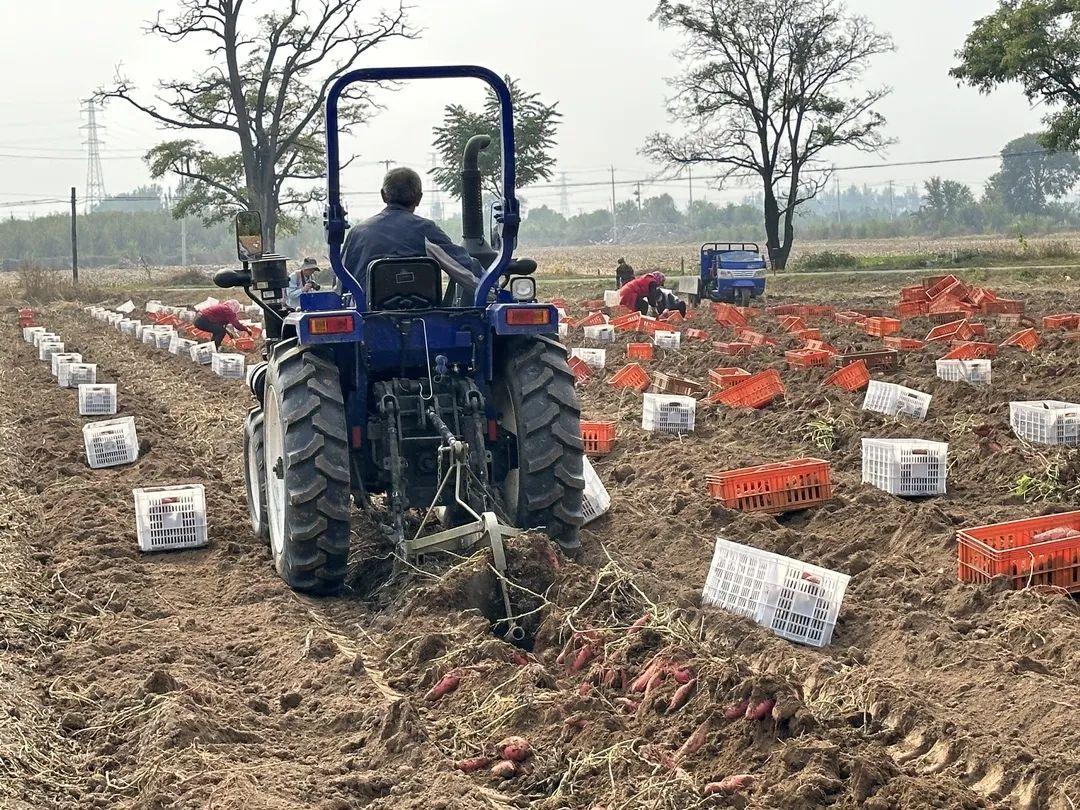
(733, 272)
(446, 411)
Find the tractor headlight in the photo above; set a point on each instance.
(725, 274)
(759, 273)
(523, 288)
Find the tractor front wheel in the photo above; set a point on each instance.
(255, 473)
(744, 296)
(307, 469)
(539, 407)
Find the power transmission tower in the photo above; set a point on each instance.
(564, 201)
(95, 180)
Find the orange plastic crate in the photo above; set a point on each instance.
(1010, 550)
(670, 384)
(1067, 321)
(1003, 306)
(881, 326)
(754, 338)
(632, 375)
(696, 334)
(732, 349)
(639, 351)
(727, 315)
(980, 295)
(903, 343)
(807, 334)
(782, 487)
(805, 358)
(792, 323)
(579, 367)
(627, 323)
(821, 346)
(243, 344)
(650, 326)
(851, 377)
(941, 284)
(971, 350)
(727, 376)
(849, 318)
(592, 303)
(592, 319)
(756, 391)
(915, 293)
(955, 330)
(1026, 339)
(598, 437)
(672, 316)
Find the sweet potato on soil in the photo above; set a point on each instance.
(736, 710)
(732, 784)
(694, 741)
(682, 694)
(759, 711)
(473, 764)
(682, 674)
(582, 658)
(584, 689)
(628, 706)
(639, 625)
(447, 684)
(516, 749)
(504, 769)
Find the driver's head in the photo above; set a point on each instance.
(401, 186)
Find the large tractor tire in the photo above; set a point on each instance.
(307, 469)
(255, 473)
(538, 405)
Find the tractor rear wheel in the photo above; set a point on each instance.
(744, 297)
(307, 469)
(538, 405)
(255, 473)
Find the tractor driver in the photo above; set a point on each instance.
(398, 232)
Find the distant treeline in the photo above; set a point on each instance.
(153, 238)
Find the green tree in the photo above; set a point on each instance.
(1031, 176)
(263, 87)
(946, 203)
(535, 126)
(1035, 43)
(765, 91)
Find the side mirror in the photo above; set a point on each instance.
(249, 241)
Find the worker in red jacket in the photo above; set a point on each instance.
(641, 292)
(217, 317)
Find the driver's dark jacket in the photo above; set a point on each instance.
(396, 232)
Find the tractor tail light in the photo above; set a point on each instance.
(493, 430)
(331, 325)
(528, 316)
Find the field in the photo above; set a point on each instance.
(197, 679)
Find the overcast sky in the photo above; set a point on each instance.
(602, 60)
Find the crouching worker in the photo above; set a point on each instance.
(217, 318)
(642, 292)
(667, 300)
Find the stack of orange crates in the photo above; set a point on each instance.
(756, 391)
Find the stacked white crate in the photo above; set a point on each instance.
(668, 413)
(908, 467)
(1046, 421)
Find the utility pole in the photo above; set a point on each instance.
(564, 201)
(95, 180)
(74, 242)
(690, 206)
(614, 226)
(836, 177)
(387, 164)
(436, 200)
(637, 194)
(892, 201)
(183, 220)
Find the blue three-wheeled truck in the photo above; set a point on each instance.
(733, 272)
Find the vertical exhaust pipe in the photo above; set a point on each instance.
(472, 202)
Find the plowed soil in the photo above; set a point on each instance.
(197, 679)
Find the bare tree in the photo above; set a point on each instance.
(762, 92)
(265, 85)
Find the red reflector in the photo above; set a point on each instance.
(330, 325)
(493, 430)
(357, 436)
(528, 316)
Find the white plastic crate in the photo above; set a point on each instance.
(165, 336)
(909, 467)
(668, 413)
(73, 375)
(593, 358)
(111, 442)
(170, 517)
(603, 333)
(796, 600)
(667, 340)
(126, 308)
(29, 332)
(976, 372)
(47, 348)
(98, 399)
(180, 345)
(611, 298)
(130, 327)
(59, 358)
(564, 329)
(230, 366)
(896, 400)
(153, 306)
(41, 337)
(203, 353)
(149, 335)
(595, 501)
(1046, 421)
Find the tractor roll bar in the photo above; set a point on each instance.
(335, 213)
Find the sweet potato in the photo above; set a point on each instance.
(504, 769)
(582, 658)
(759, 711)
(585, 689)
(516, 749)
(519, 658)
(576, 721)
(473, 764)
(736, 710)
(643, 679)
(694, 741)
(639, 625)
(628, 706)
(608, 678)
(564, 653)
(732, 784)
(447, 684)
(682, 694)
(682, 674)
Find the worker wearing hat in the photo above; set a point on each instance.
(301, 281)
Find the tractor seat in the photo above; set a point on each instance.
(403, 284)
